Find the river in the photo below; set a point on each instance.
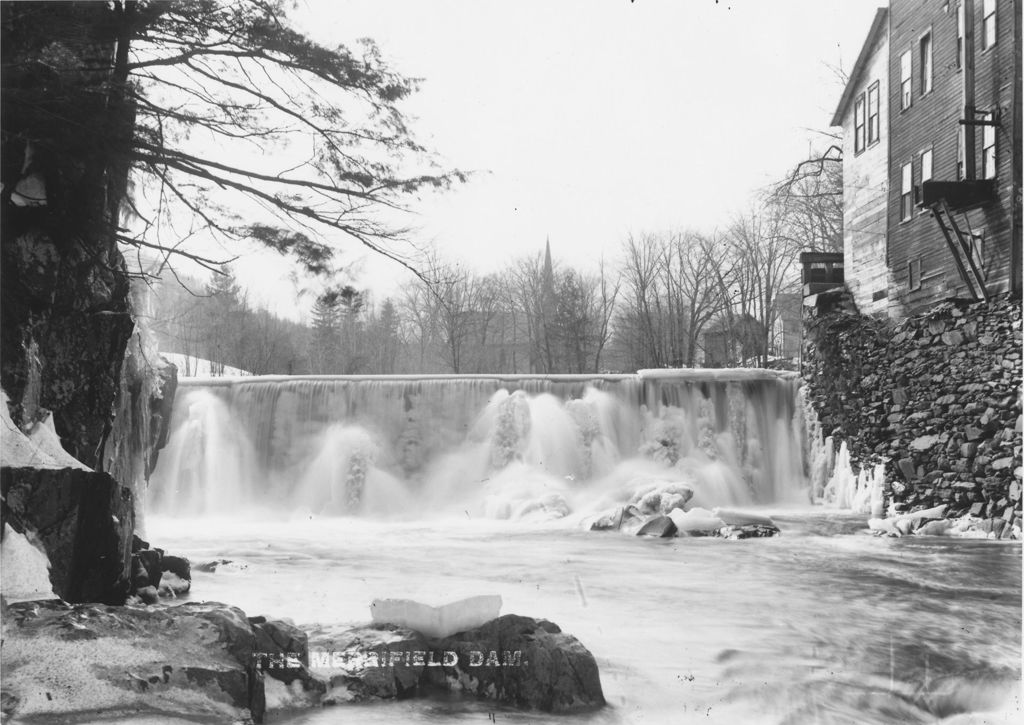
(822, 624)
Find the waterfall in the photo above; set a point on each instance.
(506, 446)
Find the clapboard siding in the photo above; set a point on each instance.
(932, 122)
(865, 191)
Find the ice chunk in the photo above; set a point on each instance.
(26, 568)
(695, 520)
(742, 518)
(440, 621)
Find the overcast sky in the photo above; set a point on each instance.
(589, 120)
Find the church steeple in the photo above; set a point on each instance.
(549, 277)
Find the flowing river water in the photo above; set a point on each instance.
(320, 513)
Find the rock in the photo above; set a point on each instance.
(696, 522)
(521, 661)
(977, 509)
(84, 521)
(742, 518)
(750, 531)
(172, 586)
(906, 467)
(1014, 493)
(284, 650)
(436, 621)
(659, 526)
(211, 566)
(923, 443)
(1001, 464)
(374, 662)
(194, 660)
(148, 594)
(146, 569)
(177, 565)
(138, 544)
(953, 338)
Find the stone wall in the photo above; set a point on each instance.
(937, 397)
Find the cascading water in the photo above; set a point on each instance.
(496, 446)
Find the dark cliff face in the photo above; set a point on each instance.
(65, 310)
(65, 293)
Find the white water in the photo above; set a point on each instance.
(822, 624)
(499, 447)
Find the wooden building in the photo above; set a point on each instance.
(952, 226)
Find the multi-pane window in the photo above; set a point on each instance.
(905, 81)
(988, 146)
(988, 23)
(926, 63)
(858, 124)
(907, 192)
(873, 125)
(960, 35)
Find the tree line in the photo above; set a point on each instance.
(668, 299)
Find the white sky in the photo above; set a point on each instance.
(588, 120)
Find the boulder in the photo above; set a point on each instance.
(177, 565)
(520, 661)
(65, 662)
(696, 522)
(378, 661)
(82, 519)
(660, 526)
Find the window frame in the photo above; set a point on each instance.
(906, 81)
(988, 12)
(988, 141)
(875, 89)
(911, 285)
(907, 191)
(925, 42)
(859, 124)
(927, 153)
(961, 152)
(960, 36)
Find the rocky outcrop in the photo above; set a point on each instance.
(82, 518)
(518, 661)
(521, 661)
(194, 661)
(936, 397)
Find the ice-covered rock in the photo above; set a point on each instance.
(520, 661)
(696, 521)
(742, 518)
(195, 660)
(437, 621)
(25, 566)
(658, 526)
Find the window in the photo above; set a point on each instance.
(905, 81)
(858, 124)
(978, 251)
(988, 146)
(873, 127)
(988, 13)
(960, 36)
(926, 63)
(960, 153)
(914, 274)
(907, 192)
(926, 175)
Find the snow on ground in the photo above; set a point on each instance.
(197, 367)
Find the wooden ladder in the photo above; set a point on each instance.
(961, 250)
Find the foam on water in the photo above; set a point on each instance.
(496, 446)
